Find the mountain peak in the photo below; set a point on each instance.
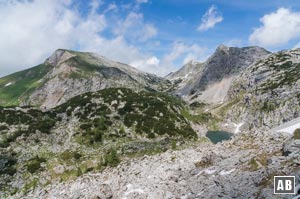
(67, 73)
(59, 56)
(222, 48)
(216, 73)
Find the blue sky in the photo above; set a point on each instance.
(156, 36)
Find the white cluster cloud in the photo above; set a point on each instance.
(182, 51)
(142, 1)
(278, 28)
(171, 60)
(188, 52)
(134, 28)
(297, 45)
(234, 43)
(111, 7)
(210, 19)
(30, 30)
(151, 65)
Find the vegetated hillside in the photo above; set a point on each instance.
(18, 86)
(267, 93)
(69, 73)
(87, 133)
(210, 81)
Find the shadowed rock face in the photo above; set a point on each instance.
(224, 63)
(227, 61)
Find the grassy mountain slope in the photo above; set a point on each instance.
(66, 74)
(18, 86)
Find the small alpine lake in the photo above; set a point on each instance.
(218, 136)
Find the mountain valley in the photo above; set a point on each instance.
(82, 126)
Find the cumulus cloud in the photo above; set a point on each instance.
(111, 7)
(185, 51)
(134, 28)
(234, 43)
(277, 28)
(30, 30)
(141, 1)
(210, 19)
(180, 54)
(297, 46)
(151, 65)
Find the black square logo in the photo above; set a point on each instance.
(284, 184)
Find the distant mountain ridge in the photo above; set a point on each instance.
(107, 130)
(66, 74)
(195, 78)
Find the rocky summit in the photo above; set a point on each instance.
(66, 74)
(82, 126)
(210, 81)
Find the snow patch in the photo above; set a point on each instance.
(195, 62)
(223, 172)
(130, 190)
(289, 129)
(237, 127)
(8, 84)
(209, 171)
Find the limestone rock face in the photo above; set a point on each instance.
(68, 73)
(195, 78)
(241, 168)
(75, 73)
(267, 93)
(130, 144)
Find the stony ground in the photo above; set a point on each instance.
(240, 168)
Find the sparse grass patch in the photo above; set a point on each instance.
(253, 166)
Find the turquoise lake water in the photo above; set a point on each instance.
(218, 136)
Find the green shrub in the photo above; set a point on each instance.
(35, 164)
(296, 134)
(253, 164)
(3, 127)
(4, 143)
(98, 136)
(8, 167)
(45, 125)
(11, 138)
(197, 105)
(69, 155)
(151, 135)
(111, 158)
(268, 107)
(86, 126)
(99, 124)
(77, 155)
